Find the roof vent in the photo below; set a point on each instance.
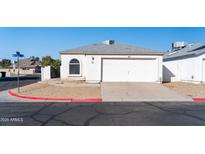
(108, 42)
(178, 45)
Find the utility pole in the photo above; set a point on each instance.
(18, 55)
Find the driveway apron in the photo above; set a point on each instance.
(130, 91)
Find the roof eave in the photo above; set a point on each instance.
(184, 56)
(71, 53)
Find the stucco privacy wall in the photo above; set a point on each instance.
(45, 73)
(13, 72)
(91, 65)
(188, 69)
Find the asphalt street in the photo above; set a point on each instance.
(102, 114)
(6, 85)
(16, 112)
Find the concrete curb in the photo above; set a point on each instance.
(96, 100)
(198, 99)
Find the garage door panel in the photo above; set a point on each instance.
(129, 70)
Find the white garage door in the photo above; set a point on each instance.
(129, 70)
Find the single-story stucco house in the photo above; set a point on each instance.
(111, 62)
(184, 63)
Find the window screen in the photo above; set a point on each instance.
(74, 67)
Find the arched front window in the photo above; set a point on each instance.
(74, 66)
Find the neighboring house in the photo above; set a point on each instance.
(27, 66)
(111, 62)
(2, 73)
(185, 63)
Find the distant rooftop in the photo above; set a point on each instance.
(189, 50)
(110, 47)
(28, 63)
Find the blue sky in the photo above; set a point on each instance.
(49, 41)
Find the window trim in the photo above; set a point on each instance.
(74, 63)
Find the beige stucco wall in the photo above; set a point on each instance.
(13, 72)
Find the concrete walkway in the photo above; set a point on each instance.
(5, 86)
(70, 83)
(4, 97)
(139, 92)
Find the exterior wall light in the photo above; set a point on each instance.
(92, 60)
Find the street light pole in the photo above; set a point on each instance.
(18, 55)
(18, 75)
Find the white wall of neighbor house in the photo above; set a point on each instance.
(201, 62)
(91, 65)
(187, 70)
(171, 71)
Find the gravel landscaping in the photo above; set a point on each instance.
(187, 89)
(56, 91)
(59, 89)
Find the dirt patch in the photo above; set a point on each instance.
(52, 91)
(187, 89)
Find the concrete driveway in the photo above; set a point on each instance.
(139, 92)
